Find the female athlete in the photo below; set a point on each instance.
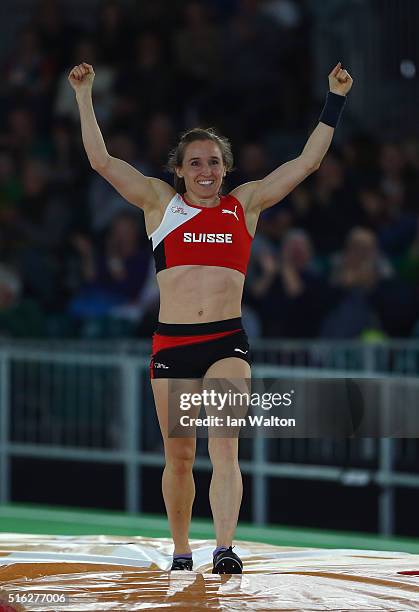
(201, 243)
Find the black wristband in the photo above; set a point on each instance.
(332, 109)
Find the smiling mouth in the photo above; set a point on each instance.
(205, 183)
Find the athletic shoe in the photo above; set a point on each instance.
(227, 562)
(182, 564)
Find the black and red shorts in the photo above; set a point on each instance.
(183, 350)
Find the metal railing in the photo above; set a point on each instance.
(93, 403)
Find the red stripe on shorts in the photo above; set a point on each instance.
(161, 342)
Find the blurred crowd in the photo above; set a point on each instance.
(339, 258)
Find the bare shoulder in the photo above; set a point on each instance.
(154, 211)
(245, 194)
(163, 192)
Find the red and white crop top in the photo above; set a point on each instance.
(196, 235)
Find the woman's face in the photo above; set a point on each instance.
(202, 169)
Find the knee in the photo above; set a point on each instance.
(223, 452)
(180, 461)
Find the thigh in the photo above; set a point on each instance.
(164, 403)
(228, 368)
(230, 377)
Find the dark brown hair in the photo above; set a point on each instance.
(178, 153)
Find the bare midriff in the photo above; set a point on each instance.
(199, 294)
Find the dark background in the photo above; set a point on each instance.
(257, 71)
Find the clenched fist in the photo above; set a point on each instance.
(340, 81)
(81, 77)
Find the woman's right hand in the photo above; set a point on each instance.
(81, 77)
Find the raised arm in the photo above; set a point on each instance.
(262, 194)
(140, 190)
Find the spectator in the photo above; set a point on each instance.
(154, 16)
(408, 264)
(112, 276)
(86, 50)
(253, 163)
(198, 38)
(149, 72)
(372, 208)
(41, 226)
(29, 74)
(10, 194)
(275, 223)
(399, 228)
(65, 162)
(332, 205)
(360, 156)
(287, 291)
(392, 166)
(23, 136)
(160, 135)
(19, 318)
(44, 216)
(56, 33)
(410, 148)
(366, 294)
(112, 33)
(361, 264)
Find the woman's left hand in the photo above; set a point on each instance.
(340, 81)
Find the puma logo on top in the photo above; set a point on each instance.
(231, 212)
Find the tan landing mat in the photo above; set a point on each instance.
(103, 573)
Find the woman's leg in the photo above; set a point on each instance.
(177, 483)
(226, 487)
